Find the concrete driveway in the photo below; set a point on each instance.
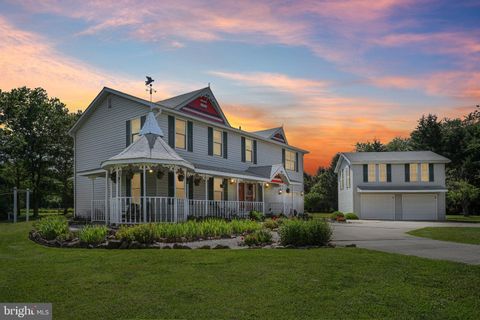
(390, 236)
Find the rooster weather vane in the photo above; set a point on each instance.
(149, 84)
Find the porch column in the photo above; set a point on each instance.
(175, 202)
(283, 198)
(106, 197)
(263, 198)
(238, 196)
(144, 195)
(117, 200)
(206, 195)
(110, 186)
(93, 198)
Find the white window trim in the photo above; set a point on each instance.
(290, 158)
(249, 151)
(427, 172)
(374, 176)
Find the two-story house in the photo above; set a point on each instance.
(137, 161)
(392, 185)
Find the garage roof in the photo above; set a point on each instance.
(400, 188)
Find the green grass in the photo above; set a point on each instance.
(461, 218)
(347, 283)
(455, 234)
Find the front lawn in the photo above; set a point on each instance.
(461, 218)
(455, 234)
(233, 284)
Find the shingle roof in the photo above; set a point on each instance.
(398, 156)
(267, 133)
(174, 102)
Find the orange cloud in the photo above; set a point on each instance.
(27, 59)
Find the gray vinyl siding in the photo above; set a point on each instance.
(102, 135)
(345, 196)
(267, 153)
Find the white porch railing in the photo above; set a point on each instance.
(129, 210)
(97, 210)
(223, 209)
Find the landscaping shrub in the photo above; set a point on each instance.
(185, 231)
(337, 214)
(351, 216)
(303, 233)
(271, 224)
(255, 215)
(92, 234)
(259, 237)
(51, 228)
(304, 216)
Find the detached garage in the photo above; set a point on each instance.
(406, 203)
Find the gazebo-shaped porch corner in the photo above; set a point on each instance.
(150, 182)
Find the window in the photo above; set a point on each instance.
(180, 133)
(217, 142)
(347, 169)
(382, 172)
(372, 177)
(135, 126)
(180, 188)
(425, 172)
(290, 160)
(248, 150)
(217, 189)
(136, 188)
(413, 172)
(341, 180)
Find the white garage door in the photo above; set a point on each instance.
(419, 206)
(377, 206)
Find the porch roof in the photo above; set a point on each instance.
(228, 173)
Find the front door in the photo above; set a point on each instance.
(241, 191)
(250, 192)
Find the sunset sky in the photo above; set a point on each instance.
(332, 72)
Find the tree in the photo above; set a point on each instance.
(399, 144)
(32, 125)
(463, 193)
(374, 146)
(428, 134)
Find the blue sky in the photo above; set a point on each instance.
(336, 72)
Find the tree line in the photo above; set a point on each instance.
(458, 139)
(36, 151)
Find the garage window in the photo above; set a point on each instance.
(372, 177)
(426, 172)
(413, 172)
(347, 169)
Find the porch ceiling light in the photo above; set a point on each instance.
(232, 181)
(279, 191)
(150, 171)
(267, 185)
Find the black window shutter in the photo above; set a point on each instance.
(128, 187)
(296, 161)
(142, 121)
(389, 172)
(407, 172)
(243, 149)
(128, 133)
(171, 131)
(260, 194)
(254, 151)
(365, 173)
(431, 176)
(210, 188)
(190, 136)
(171, 183)
(225, 144)
(190, 187)
(225, 189)
(210, 141)
(283, 157)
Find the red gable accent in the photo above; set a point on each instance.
(204, 108)
(279, 137)
(277, 179)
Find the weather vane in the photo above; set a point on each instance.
(149, 84)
